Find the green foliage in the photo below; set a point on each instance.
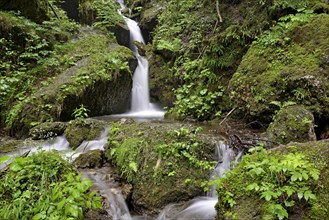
(195, 98)
(280, 181)
(44, 186)
(125, 154)
(183, 148)
(80, 113)
(107, 14)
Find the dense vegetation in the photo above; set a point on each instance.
(44, 186)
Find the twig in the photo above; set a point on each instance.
(228, 114)
(218, 12)
(52, 8)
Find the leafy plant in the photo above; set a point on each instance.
(44, 186)
(281, 181)
(80, 113)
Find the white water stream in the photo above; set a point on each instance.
(141, 107)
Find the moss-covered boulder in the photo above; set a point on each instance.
(238, 196)
(47, 130)
(165, 163)
(287, 63)
(36, 10)
(98, 76)
(83, 130)
(292, 123)
(90, 159)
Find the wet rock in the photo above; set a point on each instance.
(121, 33)
(91, 159)
(47, 130)
(292, 123)
(99, 214)
(78, 131)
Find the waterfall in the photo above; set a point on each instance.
(141, 107)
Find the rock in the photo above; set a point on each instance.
(89, 129)
(47, 130)
(134, 148)
(267, 74)
(292, 123)
(101, 80)
(125, 11)
(98, 214)
(8, 146)
(36, 10)
(141, 48)
(121, 33)
(91, 159)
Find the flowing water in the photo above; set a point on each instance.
(141, 107)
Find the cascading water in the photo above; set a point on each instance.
(141, 107)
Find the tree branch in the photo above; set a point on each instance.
(218, 12)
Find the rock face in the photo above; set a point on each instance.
(86, 130)
(36, 10)
(292, 123)
(91, 159)
(47, 130)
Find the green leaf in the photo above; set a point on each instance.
(4, 159)
(133, 166)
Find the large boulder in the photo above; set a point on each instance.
(165, 163)
(100, 79)
(47, 130)
(292, 123)
(79, 130)
(286, 64)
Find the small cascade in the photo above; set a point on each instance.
(91, 145)
(141, 107)
(202, 207)
(102, 180)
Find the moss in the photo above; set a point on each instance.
(293, 123)
(84, 70)
(158, 179)
(91, 159)
(78, 131)
(284, 65)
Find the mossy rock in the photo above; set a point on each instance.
(286, 64)
(81, 130)
(158, 179)
(47, 130)
(100, 79)
(250, 206)
(91, 159)
(36, 10)
(292, 123)
(10, 146)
